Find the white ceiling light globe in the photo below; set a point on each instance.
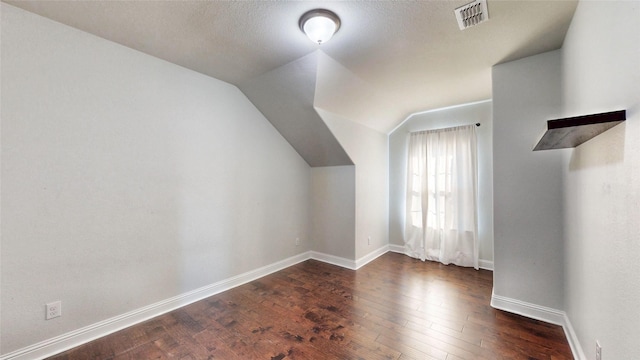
(319, 25)
(319, 29)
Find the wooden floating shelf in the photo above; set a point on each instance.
(573, 131)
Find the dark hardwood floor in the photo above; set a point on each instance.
(395, 307)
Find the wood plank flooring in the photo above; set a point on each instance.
(395, 307)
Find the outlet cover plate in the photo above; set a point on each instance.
(53, 310)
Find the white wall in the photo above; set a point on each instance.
(333, 210)
(367, 149)
(527, 185)
(567, 234)
(601, 66)
(436, 119)
(127, 180)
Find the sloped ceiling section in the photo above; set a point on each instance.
(286, 96)
(340, 91)
(388, 60)
(289, 95)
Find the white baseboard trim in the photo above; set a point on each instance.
(482, 264)
(572, 338)
(529, 310)
(396, 248)
(541, 313)
(83, 335)
(333, 260)
(485, 264)
(371, 256)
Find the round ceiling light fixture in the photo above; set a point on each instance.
(319, 25)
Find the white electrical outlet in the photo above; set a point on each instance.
(53, 310)
(598, 351)
(297, 241)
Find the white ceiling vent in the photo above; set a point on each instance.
(472, 14)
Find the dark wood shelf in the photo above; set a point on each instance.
(573, 131)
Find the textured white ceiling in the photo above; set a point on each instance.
(410, 51)
(389, 59)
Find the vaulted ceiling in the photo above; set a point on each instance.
(388, 60)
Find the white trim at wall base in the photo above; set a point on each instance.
(485, 264)
(333, 260)
(572, 338)
(83, 335)
(397, 248)
(482, 264)
(529, 310)
(371, 256)
(541, 313)
(348, 263)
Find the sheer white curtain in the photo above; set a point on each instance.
(441, 217)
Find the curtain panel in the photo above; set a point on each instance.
(441, 200)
